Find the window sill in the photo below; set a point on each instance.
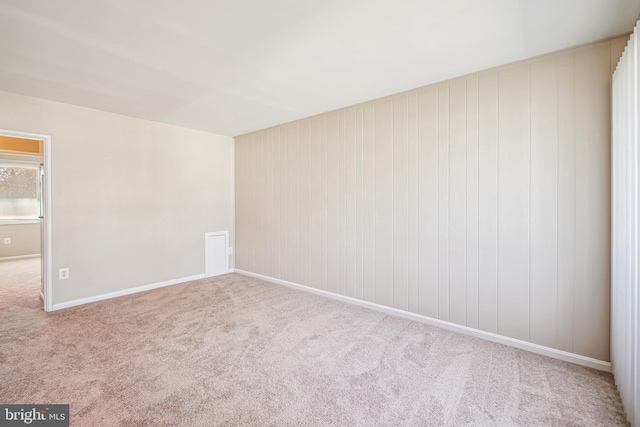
(19, 221)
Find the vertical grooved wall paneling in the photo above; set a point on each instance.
(513, 202)
(483, 200)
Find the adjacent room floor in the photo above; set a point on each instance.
(239, 351)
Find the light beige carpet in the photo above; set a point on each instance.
(238, 351)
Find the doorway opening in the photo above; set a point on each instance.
(25, 217)
(216, 253)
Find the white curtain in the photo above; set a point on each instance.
(625, 298)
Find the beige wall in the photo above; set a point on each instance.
(131, 198)
(483, 200)
(25, 240)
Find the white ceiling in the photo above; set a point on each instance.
(232, 67)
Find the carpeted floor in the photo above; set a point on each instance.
(234, 350)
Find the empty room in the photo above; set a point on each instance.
(319, 213)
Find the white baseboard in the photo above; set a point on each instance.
(523, 345)
(123, 292)
(10, 258)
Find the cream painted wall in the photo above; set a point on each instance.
(25, 239)
(132, 199)
(483, 200)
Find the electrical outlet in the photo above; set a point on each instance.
(7, 240)
(63, 273)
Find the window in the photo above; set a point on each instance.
(19, 191)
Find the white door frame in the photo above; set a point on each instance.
(207, 273)
(46, 222)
